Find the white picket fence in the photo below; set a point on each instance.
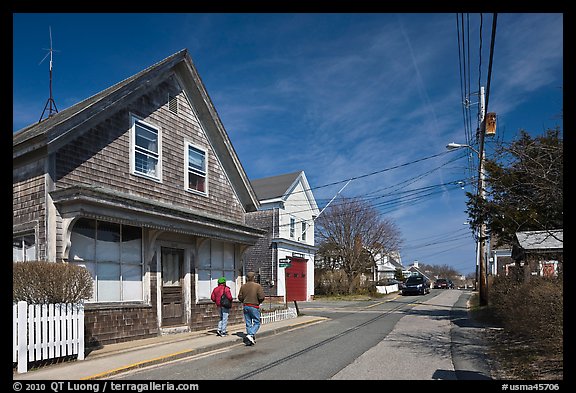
(46, 331)
(278, 315)
(386, 289)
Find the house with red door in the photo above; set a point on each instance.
(139, 184)
(284, 258)
(541, 253)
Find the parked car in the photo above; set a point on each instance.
(443, 283)
(416, 284)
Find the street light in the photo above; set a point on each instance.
(481, 260)
(453, 146)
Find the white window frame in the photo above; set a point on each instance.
(292, 227)
(197, 172)
(125, 293)
(135, 120)
(27, 254)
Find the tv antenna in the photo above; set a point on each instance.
(50, 104)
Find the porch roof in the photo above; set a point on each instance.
(100, 203)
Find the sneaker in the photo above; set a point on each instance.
(223, 334)
(219, 333)
(251, 339)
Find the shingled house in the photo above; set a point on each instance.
(540, 252)
(284, 258)
(140, 184)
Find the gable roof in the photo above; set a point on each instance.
(274, 187)
(49, 127)
(417, 270)
(279, 187)
(66, 125)
(541, 240)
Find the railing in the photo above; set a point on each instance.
(46, 331)
(278, 315)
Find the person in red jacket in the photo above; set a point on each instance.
(217, 292)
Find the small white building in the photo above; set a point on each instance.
(386, 265)
(284, 258)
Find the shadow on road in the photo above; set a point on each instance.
(461, 375)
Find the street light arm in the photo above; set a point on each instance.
(454, 146)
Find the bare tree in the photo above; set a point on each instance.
(349, 233)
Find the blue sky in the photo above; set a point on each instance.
(374, 97)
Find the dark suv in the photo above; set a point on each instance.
(417, 284)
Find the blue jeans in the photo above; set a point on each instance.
(223, 323)
(252, 318)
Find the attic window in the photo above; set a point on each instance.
(173, 104)
(196, 169)
(145, 149)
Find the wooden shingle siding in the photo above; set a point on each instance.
(28, 203)
(101, 156)
(259, 256)
(29, 192)
(115, 324)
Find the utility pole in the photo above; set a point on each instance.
(482, 279)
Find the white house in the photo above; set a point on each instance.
(284, 258)
(386, 265)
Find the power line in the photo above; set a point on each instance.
(348, 179)
(402, 184)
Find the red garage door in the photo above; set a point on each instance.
(296, 279)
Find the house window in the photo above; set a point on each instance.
(292, 227)
(113, 254)
(196, 169)
(23, 247)
(215, 259)
(145, 154)
(303, 231)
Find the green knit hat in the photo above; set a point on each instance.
(222, 280)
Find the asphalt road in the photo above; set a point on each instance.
(403, 338)
(422, 346)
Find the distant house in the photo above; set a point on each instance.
(284, 258)
(387, 264)
(415, 269)
(140, 185)
(540, 251)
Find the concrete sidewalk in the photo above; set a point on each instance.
(117, 358)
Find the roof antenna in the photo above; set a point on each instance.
(50, 104)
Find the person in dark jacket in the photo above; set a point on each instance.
(251, 294)
(217, 292)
